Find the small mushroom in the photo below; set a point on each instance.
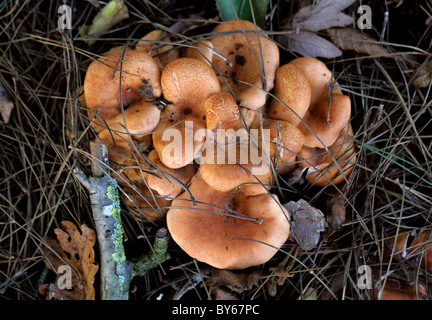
(282, 143)
(399, 290)
(332, 166)
(292, 95)
(186, 85)
(227, 230)
(225, 167)
(254, 58)
(223, 113)
(329, 111)
(166, 181)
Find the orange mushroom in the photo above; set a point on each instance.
(282, 143)
(254, 58)
(186, 85)
(227, 230)
(304, 98)
(329, 166)
(121, 79)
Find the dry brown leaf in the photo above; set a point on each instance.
(6, 106)
(323, 15)
(308, 20)
(74, 249)
(336, 210)
(309, 44)
(307, 223)
(219, 293)
(236, 281)
(351, 39)
(423, 76)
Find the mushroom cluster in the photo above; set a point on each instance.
(197, 136)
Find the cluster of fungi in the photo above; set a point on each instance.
(220, 212)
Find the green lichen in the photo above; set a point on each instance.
(119, 253)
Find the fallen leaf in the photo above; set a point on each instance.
(336, 213)
(351, 39)
(235, 281)
(323, 15)
(307, 223)
(110, 15)
(6, 106)
(74, 249)
(219, 293)
(423, 76)
(309, 44)
(312, 18)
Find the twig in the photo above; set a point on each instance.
(116, 272)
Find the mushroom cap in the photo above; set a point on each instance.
(244, 50)
(137, 70)
(222, 112)
(398, 290)
(166, 181)
(318, 76)
(322, 131)
(187, 83)
(209, 234)
(118, 143)
(293, 95)
(178, 141)
(322, 169)
(281, 140)
(202, 50)
(138, 119)
(228, 166)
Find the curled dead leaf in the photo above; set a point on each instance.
(72, 248)
(235, 281)
(351, 39)
(423, 76)
(335, 214)
(6, 106)
(308, 20)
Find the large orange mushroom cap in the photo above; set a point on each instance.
(118, 79)
(244, 49)
(223, 229)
